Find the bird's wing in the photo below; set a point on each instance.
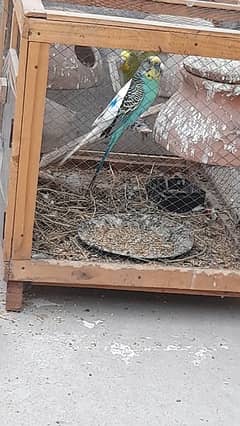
(102, 122)
(132, 100)
(112, 109)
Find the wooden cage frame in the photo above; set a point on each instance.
(38, 28)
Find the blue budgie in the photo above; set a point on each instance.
(102, 123)
(140, 92)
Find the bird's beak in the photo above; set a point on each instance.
(159, 67)
(124, 56)
(121, 60)
(162, 67)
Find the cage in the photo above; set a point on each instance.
(162, 212)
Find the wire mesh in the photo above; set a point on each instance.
(225, 17)
(177, 162)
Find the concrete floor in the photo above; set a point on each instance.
(77, 357)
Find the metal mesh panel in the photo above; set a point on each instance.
(169, 189)
(143, 8)
(5, 151)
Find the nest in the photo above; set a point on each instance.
(64, 203)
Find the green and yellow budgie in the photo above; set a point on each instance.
(130, 61)
(137, 95)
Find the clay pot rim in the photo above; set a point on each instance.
(209, 75)
(207, 84)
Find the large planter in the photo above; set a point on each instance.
(201, 121)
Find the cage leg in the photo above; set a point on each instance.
(14, 297)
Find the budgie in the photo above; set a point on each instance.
(140, 92)
(130, 61)
(102, 125)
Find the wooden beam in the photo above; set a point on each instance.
(14, 296)
(30, 145)
(114, 32)
(123, 276)
(18, 7)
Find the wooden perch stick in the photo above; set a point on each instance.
(59, 153)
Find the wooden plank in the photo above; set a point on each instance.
(33, 8)
(18, 7)
(13, 169)
(31, 137)
(14, 296)
(116, 275)
(94, 30)
(85, 158)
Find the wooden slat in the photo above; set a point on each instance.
(99, 31)
(18, 7)
(113, 275)
(14, 31)
(31, 135)
(86, 157)
(13, 171)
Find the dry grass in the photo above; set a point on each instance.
(63, 202)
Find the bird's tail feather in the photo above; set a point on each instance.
(89, 137)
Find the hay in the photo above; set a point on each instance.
(63, 201)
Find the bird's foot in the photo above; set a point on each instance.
(141, 127)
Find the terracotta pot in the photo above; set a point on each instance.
(74, 67)
(201, 121)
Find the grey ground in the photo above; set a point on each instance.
(77, 357)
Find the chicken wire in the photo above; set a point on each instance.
(142, 8)
(184, 170)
